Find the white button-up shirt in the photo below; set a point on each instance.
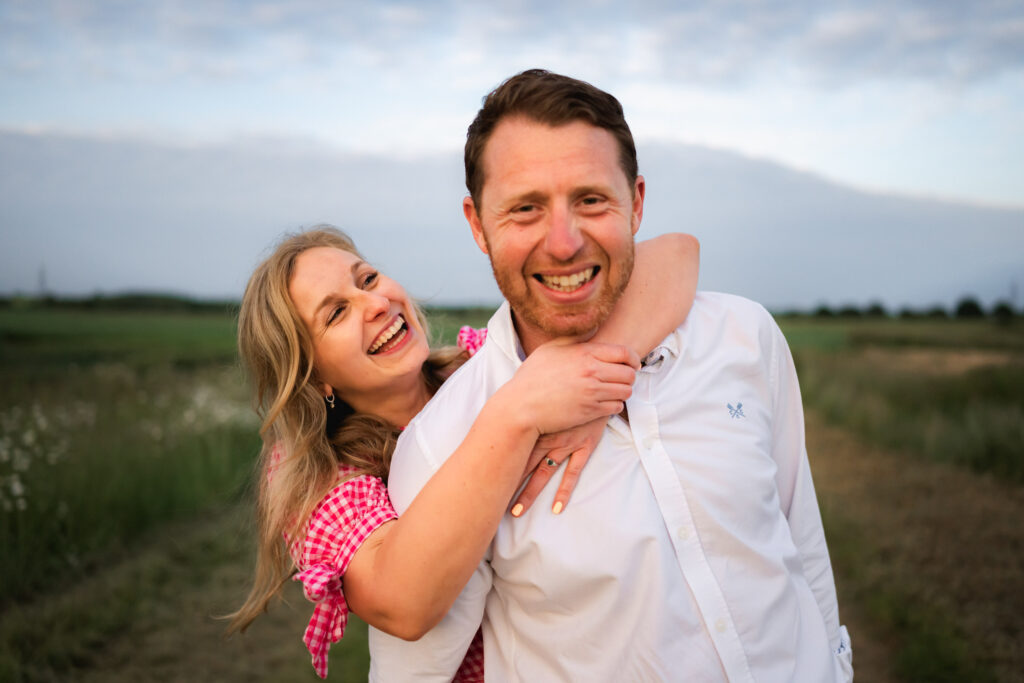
(692, 549)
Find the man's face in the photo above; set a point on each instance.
(557, 218)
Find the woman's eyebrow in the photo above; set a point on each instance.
(331, 297)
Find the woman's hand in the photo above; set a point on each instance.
(562, 385)
(575, 445)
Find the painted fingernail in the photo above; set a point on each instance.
(557, 507)
(517, 509)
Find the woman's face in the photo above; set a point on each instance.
(367, 341)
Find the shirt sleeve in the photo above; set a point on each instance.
(798, 499)
(436, 656)
(336, 530)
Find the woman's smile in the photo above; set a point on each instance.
(393, 337)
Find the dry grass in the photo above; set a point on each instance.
(946, 542)
(943, 362)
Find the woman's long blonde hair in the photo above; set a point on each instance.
(299, 459)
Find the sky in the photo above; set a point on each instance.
(916, 99)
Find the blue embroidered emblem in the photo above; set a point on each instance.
(736, 412)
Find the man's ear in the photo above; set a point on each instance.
(638, 203)
(473, 218)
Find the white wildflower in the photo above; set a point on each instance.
(37, 414)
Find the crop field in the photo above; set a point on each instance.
(127, 446)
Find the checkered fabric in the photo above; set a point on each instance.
(472, 668)
(471, 339)
(336, 530)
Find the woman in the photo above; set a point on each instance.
(340, 363)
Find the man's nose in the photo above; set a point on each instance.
(564, 238)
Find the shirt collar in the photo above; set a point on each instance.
(503, 332)
(669, 347)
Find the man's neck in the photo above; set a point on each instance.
(530, 337)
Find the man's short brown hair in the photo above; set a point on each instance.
(551, 99)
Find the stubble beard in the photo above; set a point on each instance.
(553, 320)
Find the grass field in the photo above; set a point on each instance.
(126, 444)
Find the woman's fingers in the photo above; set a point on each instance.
(613, 353)
(572, 445)
(542, 473)
(615, 373)
(573, 468)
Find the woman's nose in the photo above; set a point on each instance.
(375, 305)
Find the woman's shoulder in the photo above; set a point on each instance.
(355, 496)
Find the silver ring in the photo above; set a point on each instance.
(550, 463)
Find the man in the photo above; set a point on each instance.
(693, 548)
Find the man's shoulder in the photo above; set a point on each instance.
(715, 309)
(722, 303)
(460, 392)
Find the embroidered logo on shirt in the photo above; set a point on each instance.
(736, 412)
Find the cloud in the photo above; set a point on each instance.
(834, 44)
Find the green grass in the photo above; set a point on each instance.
(52, 339)
(973, 418)
(853, 373)
(833, 334)
(445, 322)
(111, 423)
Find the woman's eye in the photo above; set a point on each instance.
(334, 314)
(371, 279)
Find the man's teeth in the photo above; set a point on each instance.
(568, 283)
(386, 336)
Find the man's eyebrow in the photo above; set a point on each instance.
(590, 189)
(530, 197)
(330, 298)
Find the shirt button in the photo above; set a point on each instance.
(648, 442)
(720, 625)
(683, 533)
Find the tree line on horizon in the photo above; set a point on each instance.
(967, 307)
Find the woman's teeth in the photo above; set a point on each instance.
(387, 335)
(568, 283)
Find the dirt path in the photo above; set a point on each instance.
(951, 540)
(151, 617)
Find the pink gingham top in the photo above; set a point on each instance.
(337, 528)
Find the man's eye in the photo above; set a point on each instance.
(591, 201)
(525, 208)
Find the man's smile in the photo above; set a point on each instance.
(567, 283)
